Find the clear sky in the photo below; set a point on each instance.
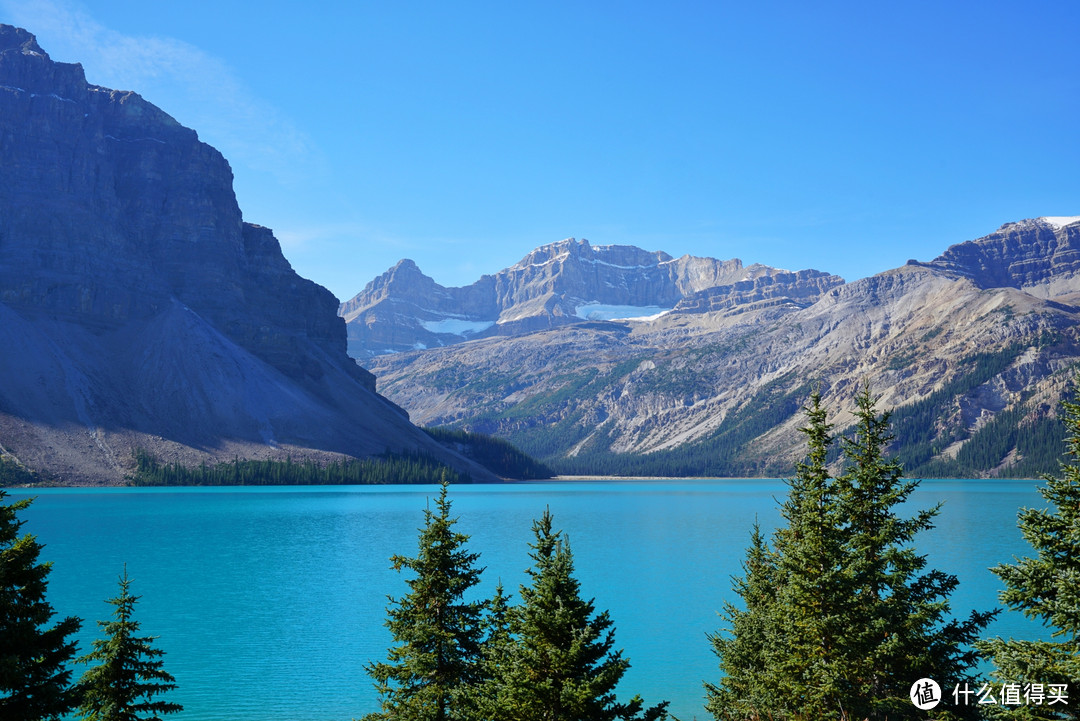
(843, 136)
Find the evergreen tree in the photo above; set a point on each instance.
(1047, 587)
(428, 674)
(562, 666)
(815, 593)
(35, 682)
(838, 621)
(490, 696)
(128, 674)
(748, 651)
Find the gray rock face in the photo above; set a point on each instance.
(990, 327)
(138, 307)
(559, 284)
(1041, 256)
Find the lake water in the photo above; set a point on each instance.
(270, 601)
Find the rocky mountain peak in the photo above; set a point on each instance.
(582, 251)
(19, 40)
(26, 68)
(563, 283)
(1038, 255)
(138, 309)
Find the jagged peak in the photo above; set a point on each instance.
(1054, 222)
(630, 256)
(405, 265)
(13, 38)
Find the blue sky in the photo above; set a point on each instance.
(843, 136)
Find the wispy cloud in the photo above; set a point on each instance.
(198, 89)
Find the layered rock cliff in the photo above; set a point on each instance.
(137, 308)
(563, 283)
(971, 351)
(1040, 256)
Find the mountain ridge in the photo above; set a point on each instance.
(557, 284)
(985, 332)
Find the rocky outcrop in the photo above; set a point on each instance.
(140, 309)
(560, 284)
(1041, 256)
(799, 289)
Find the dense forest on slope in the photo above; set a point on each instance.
(388, 469)
(500, 457)
(497, 455)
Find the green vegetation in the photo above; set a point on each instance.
(438, 634)
(13, 473)
(559, 663)
(839, 615)
(498, 456)
(1047, 587)
(900, 361)
(128, 674)
(548, 658)
(726, 452)
(916, 425)
(35, 682)
(387, 469)
(1037, 443)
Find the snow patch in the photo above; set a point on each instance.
(597, 261)
(51, 95)
(456, 326)
(1057, 222)
(600, 311)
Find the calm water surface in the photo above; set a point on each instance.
(269, 602)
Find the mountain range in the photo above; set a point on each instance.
(611, 359)
(139, 310)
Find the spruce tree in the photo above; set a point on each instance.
(562, 666)
(428, 674)
(839, 619)
(129, 673)
(748, 651)
(35, 682)
(900, 628)
(1047, 587)
(488, 698)
(815, 595)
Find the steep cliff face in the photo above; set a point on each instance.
(560, 284)
(1040, 256)
(139, 308)
(967, 351)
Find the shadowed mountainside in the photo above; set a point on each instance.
(138, 309)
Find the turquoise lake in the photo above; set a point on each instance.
(270, 601)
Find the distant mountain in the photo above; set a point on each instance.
(564, 283)
(138, 309)
(972, 351)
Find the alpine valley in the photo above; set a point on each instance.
(614, 360)
(139, 311)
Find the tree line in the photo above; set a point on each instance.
(389, 468)
(838, 617)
